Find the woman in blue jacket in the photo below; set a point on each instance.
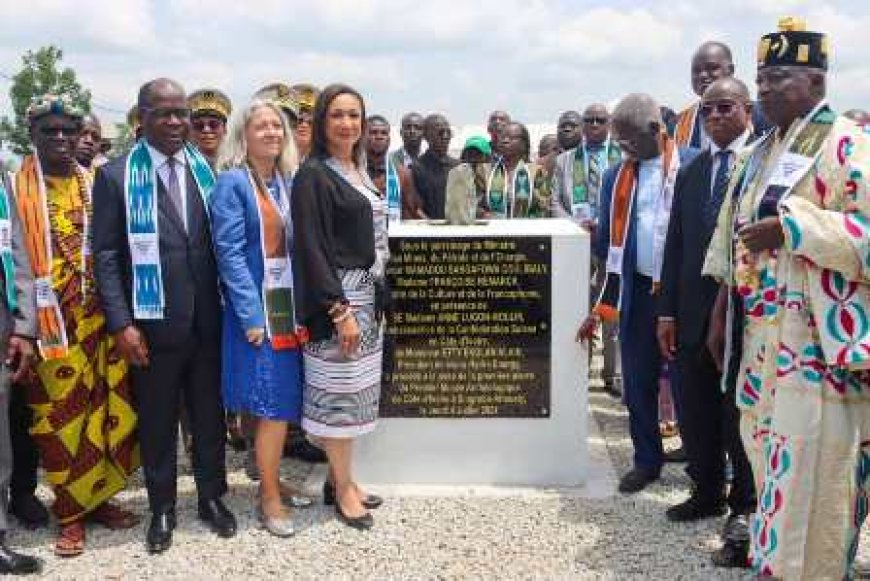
(262, 366)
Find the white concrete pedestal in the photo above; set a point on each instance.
(533, 452)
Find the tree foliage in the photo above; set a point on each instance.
(40, 73)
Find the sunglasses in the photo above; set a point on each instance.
(207, 124)
(595, 120)
(63, 130)
(723, 108)
(164, 113)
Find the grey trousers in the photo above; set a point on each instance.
(5, 448)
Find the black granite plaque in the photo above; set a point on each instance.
(468, 335)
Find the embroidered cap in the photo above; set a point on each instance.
(283, 96)
(793, 45)
(52, 104)
(306, 95)
(209, 102)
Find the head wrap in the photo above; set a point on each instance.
(209, 102)
(479, 143)
(49, 104)
(281, 95)
(306, 95)
(793, 45)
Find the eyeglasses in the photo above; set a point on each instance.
(723, 108)
(595, 120)
(207, 124)
(164, 113)
(63, 130)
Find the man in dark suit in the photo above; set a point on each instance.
(174, 350)
(632, 250)
(710, 422)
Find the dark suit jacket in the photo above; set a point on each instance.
(602, 236)
(190, 278)
(685, 294)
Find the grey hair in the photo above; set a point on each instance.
(638, 110)
(234, 150)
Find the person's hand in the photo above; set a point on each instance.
(587, 329)
(255, 336)
(131, 342)
(766, 234)
(348, 335)
(716, 331)
(590, 225)
(19, 357)
(666, 333)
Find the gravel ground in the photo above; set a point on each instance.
(538, 534)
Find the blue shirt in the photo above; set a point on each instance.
(649, 188)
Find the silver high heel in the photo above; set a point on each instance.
(282, 527)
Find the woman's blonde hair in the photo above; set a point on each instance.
(234, 150)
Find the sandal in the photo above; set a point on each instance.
(70, 540)
(113, 517)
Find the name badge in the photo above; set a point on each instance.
(789, 170)
(582, 211)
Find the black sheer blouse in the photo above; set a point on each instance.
(333, 229)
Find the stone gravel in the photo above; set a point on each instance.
(522, 535)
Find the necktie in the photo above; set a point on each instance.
(720, 185)
(174, 190)
(593, 180)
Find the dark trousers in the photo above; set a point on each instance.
(24, 451)
(641, 367)
(191, 373)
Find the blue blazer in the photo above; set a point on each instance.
(601, 243)
(235, 226)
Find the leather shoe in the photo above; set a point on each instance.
(733, 554)
(636, 480)
(218, 517)
(12, 563)
(369, 502)
(159, 536)
(695, 508)
(29, 511)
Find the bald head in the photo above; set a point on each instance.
(165, 115)
(637, 126)
(155, 89)
(728, 88)
(711, 61)
(726, 110)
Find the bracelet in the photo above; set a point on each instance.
(345, 315)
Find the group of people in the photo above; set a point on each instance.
(229, 271)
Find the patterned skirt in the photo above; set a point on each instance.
(341, 394)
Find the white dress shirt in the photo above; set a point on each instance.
(161, 164)
(733, 148)
(649, 188)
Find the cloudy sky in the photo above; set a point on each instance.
(534, 58)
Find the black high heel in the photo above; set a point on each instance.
(360, 523)
(370, 502)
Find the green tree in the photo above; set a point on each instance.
(39, 74)
(123, 141)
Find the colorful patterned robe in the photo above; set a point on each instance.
(803, 389)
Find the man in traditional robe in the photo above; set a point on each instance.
(793, 245)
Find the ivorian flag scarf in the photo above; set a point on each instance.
(622, 202)
(140, 194)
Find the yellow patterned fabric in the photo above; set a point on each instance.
(84, 423)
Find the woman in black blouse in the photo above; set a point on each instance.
(341, 249)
